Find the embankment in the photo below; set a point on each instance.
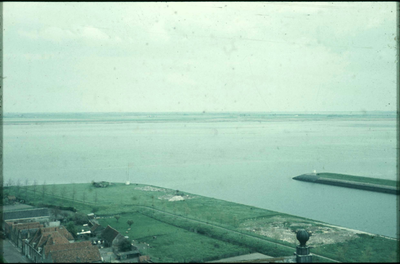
(316, 178)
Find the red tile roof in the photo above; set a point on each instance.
(45, 240)
(58, 247)
(57, 235)
(57, 238)
(82, 254)
(65, 233)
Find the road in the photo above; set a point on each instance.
(11, 253)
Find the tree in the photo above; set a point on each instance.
(64, 215)
(130, 223)
(34, 186)
(80, 218)
(18, 186)
(44, 189)
(10, 182)
(56, 212)
(124, 245)
(53, 189)
(95, 197)
(84, 196)
(95, 209)
(71, 228)
(63, 190)
(117, 217)
(73, 192)
(26, 188)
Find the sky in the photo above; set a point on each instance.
(199, 56)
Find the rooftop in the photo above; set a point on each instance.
(109, 234)
(58, 247)
(85, 254)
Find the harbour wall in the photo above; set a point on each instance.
(349, 184)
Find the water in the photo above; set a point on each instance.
(249, 160)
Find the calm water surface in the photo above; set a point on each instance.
(246, 162)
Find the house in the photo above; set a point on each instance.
(129, 251)
(91, 216)
(63, 231)
(111, 236)
(18, 232)
(37, 214)
(34, 247)
(96, 229)
(85, 233)
(81, 252)
(8, 227)
(134, 253)
(102, 184)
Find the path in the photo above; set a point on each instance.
(12, 254)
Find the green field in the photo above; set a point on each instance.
(172, 244)
(346, 177)
(199, 228)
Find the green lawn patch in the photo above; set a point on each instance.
(365, 248)
(171, 243)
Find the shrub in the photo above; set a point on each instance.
(80, 218)
(71, 228)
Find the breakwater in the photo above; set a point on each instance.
(314, 178)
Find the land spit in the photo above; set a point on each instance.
(316, 178)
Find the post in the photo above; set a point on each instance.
(302, 251)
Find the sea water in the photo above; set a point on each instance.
(248, 160)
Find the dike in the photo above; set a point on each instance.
(314, 178)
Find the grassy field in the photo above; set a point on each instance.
(357, 179)
(171, 244)
(195, 228)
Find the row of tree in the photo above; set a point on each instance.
(22, 190)
(129, 222)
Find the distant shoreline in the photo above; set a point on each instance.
(57, 118)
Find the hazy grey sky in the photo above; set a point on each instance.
(213, 57)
